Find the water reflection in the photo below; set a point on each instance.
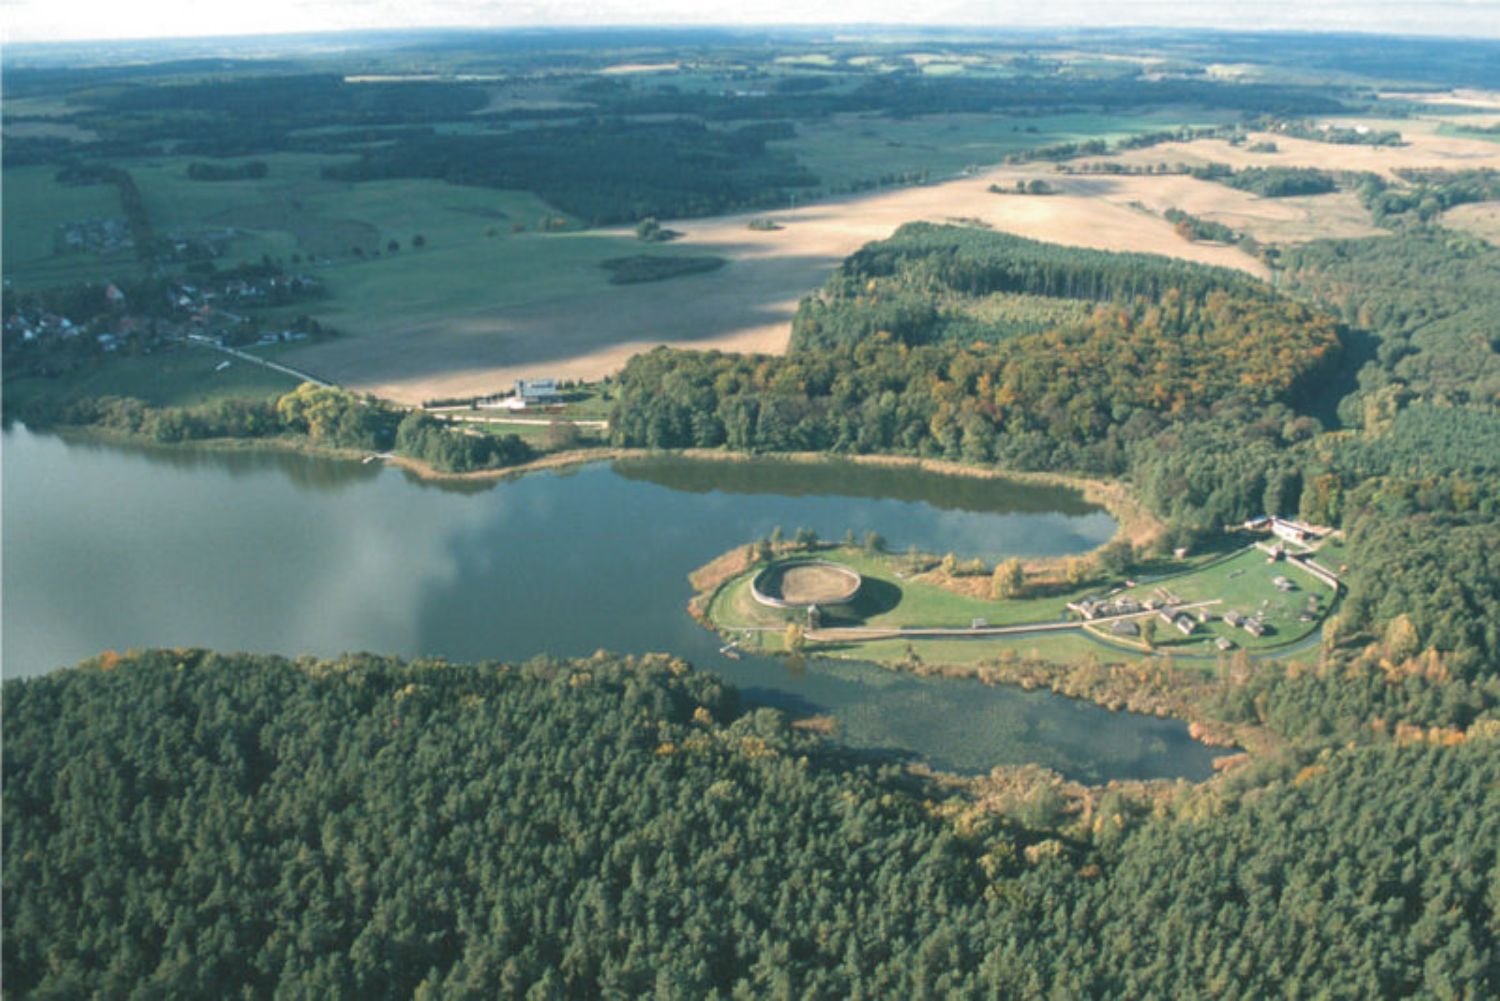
(117, 548)
(309, 472)
(843, 478)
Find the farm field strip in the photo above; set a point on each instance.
(1425, 148)
(494, 295)
(576, 326)
(746, 306)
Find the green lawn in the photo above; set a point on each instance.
(1058, 647)
(1243, 583)
(295, 209)
(535, 434)
(446, 214)
(170, 376)
(583, 401)
(45, 107)
(441, 283)
(587, 403)
(1333, 554)
(848, 148)
(892, 600)
(484, 249)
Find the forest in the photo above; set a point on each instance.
(1270, 182)
(1339, 135)
(604, 171)
(899, 285)
(191, 824)
(1429, 194)
(894, 356)
(1199, 394)
(1191, 227)
(1418, 485)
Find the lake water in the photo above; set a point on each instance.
(109, 547)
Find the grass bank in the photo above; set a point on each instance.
(171, 376)
(891, 622)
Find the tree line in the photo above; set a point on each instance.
(874, 367)
(324, 416)
(604, 170)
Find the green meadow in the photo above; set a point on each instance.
(893, 598)
(848, 149)
(1243, 582)
(172, 376)
(483, 248)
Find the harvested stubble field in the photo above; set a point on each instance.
(1482, 219)
(1462, 98)
(591, 329)
(1335, 215)
(1425, 148)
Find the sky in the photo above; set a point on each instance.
(56, 20)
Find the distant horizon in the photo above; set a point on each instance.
(47, 22)
(918, 31)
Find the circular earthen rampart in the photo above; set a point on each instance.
(805, 583)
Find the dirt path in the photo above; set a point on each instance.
(297, 374)
(865, 633)
(578, 422)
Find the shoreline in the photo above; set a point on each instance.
(289, 444)
(273, 443)
(1088, 680)
(1152, 684)
(1135, 523)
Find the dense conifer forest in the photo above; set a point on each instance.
(191, 824)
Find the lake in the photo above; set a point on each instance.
(119, 547)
